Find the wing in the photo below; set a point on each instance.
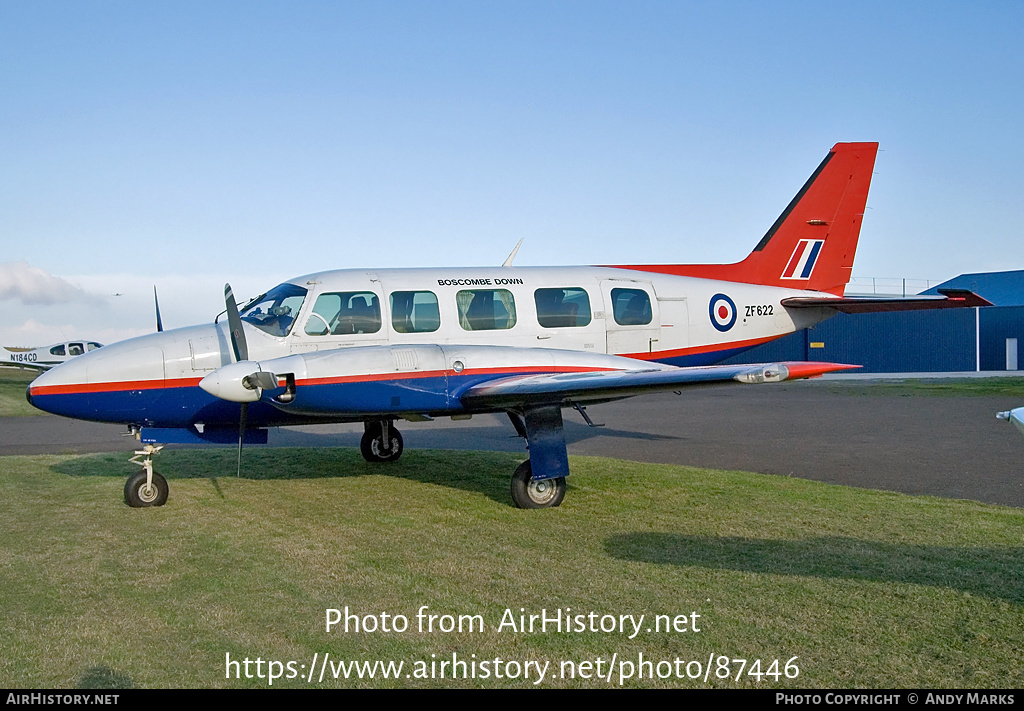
(437, 380)
(28, 365)
(950, 299)
(520, 390)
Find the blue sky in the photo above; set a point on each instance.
(189, 144)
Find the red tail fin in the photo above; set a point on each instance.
(811, 245)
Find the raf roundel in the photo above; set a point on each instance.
(723, 312)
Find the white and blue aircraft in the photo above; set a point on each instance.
(416, 344)
(48, 356)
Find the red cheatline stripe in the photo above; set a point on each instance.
(112, 387)
(696, 350)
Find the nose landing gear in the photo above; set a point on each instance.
(145, 487)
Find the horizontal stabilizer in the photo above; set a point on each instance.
(950, 299)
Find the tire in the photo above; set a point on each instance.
(372, 449)
(136, 496)
(528, 493)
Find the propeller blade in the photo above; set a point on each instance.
(235, 326)
(156, 302)
(241, 436)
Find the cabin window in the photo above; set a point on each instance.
(562, 308)
(58, 350)
(92, 345)
(486, 309)
(345, 313)
(415, 312)
(275, 311)
(75, 349)
(631, 307)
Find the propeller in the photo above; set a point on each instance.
(241, 350)
(235, 326)
(242, 381)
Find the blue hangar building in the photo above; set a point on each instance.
(984, 338)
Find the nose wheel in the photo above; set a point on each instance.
(139, 492)
(381, 442)
(145, 487)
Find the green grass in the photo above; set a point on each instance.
(942, 387)
(13, 382)
(866, 588)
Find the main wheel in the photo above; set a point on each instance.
(372, 444)
(530, 493)
(138, 495)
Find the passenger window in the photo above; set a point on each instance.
(92, 345)
(486, 309)
(58, 350)
(75, 349)
(415, 312)
(631, 307)
(345, 313)
(561, 308)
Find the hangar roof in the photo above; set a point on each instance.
(1001, 288)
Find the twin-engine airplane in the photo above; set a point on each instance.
(415, 344)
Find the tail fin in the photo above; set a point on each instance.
(811, 245)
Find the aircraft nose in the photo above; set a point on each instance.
(28, 395)
(116, 383)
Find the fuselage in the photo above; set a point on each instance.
(581, 312)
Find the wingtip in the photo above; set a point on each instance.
(801, 369)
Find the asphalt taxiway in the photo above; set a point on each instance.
(941, 446)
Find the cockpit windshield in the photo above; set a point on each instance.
(275, 311)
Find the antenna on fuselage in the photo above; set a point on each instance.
(508, 261)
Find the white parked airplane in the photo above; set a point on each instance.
(416, 344)
(48, 356)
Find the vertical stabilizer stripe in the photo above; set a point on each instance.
(806, 273)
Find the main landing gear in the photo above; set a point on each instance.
(381, 441)
(530, 493)
(145, 487)
(539, 482)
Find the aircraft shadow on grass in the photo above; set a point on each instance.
(458, 457)
(103, 677)
(498, 438)
(989, 572)
(478, 472)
